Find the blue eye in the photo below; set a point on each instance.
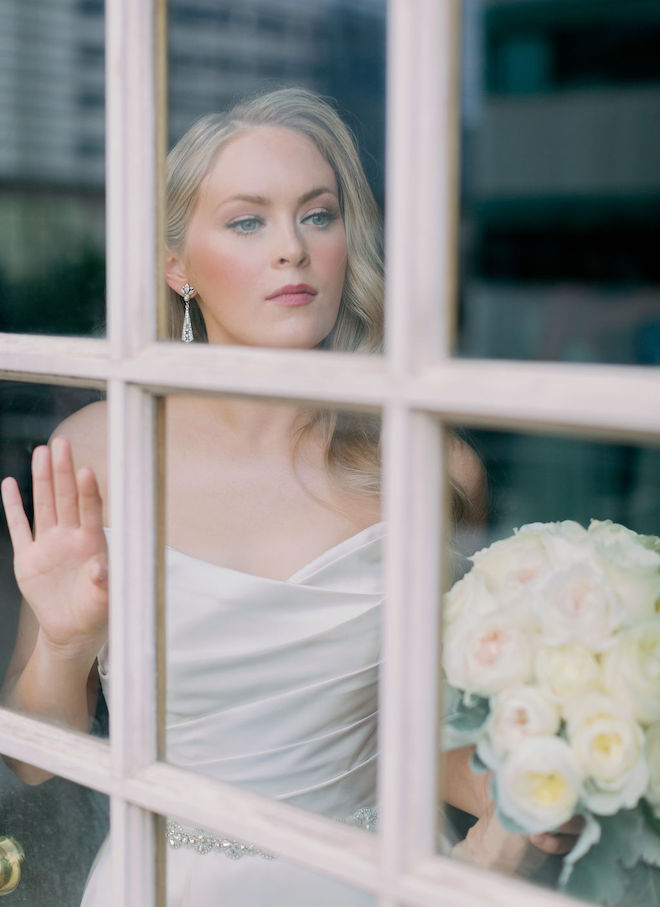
(321, 218)
(245, 224)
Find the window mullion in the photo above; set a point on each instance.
(421, 195)
(131, 108)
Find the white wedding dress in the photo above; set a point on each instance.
(272, 686)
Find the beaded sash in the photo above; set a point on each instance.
(203, 842)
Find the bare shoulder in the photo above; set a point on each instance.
(468, 474)
(86, 430)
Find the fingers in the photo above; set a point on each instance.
(573, 827)
(66, 488)
(553, 844)
(563, 840)
(42, 490)
(19, 527)
(90, 504)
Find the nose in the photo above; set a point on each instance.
(289, 247)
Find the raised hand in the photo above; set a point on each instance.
(62, 571)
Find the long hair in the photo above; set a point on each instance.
(352, 441)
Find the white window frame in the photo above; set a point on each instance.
(418, 387)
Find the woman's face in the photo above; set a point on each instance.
(266, 245)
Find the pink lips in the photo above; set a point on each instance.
(293, 295)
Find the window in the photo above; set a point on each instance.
(419, 388)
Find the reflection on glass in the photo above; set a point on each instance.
(268, 204)
(52, 168)
(242, 873)
(274, 587)
(560, 178)
(29, 415)
(551, 651)
(223, 51)
(48, 645)
(58, 827)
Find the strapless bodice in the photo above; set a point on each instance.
(272, 685)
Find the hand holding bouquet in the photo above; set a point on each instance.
(552, 653)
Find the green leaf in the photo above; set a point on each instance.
(642, 887)
(588, 838)
(616, 870)
(470, 717)
(654, 824)
(477, 765)
(649, 836)
(598, 876)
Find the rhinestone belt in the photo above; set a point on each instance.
(203, 842)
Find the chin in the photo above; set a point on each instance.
(295, 341)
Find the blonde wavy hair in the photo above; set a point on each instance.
(352, 441)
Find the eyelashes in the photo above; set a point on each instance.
(321, 218)
(245, 225)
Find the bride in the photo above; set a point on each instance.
(273, 511)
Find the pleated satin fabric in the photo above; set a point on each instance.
(272, 686)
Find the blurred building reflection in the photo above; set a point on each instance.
(560, 218)
(52, 101)
(52, 122)
(561, 180)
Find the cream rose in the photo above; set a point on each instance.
(508, 566)
(652, 748)
(631, 563)
(577, 605)
(631, 670)
(608, 745)
(485, 655)
(539, 784)
(514, 715)
(566, 543)
(469, 594)
(565, 672)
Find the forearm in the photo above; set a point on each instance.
(464, 788)
(51, 686)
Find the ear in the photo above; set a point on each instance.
(175, 274)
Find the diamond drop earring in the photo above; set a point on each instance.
(187, 331)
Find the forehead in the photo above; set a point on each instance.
(265, 160)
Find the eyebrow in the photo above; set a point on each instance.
(262, 200)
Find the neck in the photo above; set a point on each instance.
(251, 423)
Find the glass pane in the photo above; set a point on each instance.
(206, 869)
(265, 181)
(273, 592)
(52, 167)
(49, 836)
(29, 415)
(560, 181)
(551, 657)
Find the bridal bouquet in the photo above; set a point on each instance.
(552, 655)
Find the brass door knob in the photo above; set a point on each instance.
(11, 857)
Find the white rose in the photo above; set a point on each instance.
(485, 655)
(508, 566)
(577, 605)
(566, 542)
(608, 744)
(631, 563)
(468, 594)
(565, 672)
(615, 536)
(539, 784)
(514, 715)
(631, 670)
(653, 760)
